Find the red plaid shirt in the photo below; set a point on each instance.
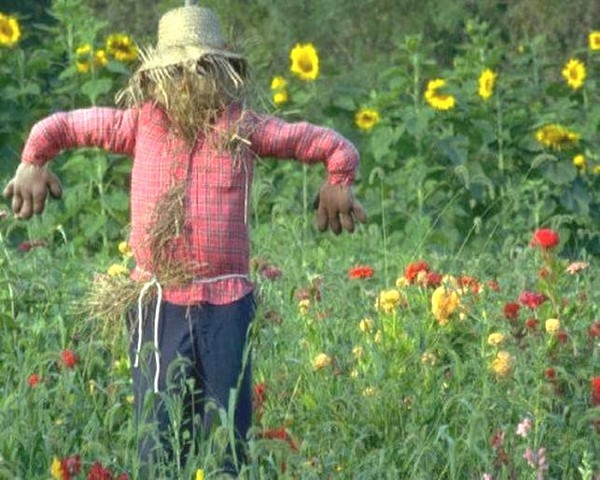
(217, 187)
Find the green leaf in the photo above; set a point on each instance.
(96, 87)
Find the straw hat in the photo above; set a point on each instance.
(186, 35)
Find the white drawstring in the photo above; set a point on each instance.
(136, 363)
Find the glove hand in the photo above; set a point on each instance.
(337, 208)
(29, 188)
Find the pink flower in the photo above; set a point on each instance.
(532, 299)
(577, 267)
(524, 427)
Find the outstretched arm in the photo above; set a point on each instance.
(107, 128)
(336, 206)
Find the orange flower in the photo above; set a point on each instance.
(414, 268)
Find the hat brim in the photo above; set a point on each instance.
(153, 58)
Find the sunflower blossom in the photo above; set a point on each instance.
(557, 137)
(305, 61)
(574, 73)
(121, 47)
(10, 32)
(438, 100)
(487, 81)
(83, 58)
(594, 40)
(279, 89)
(366, 118)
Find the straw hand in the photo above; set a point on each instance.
(29, 188)
(337, 208)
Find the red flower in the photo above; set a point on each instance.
(531, 299)
(69, 358)
(545, 238)
(98, 472)
(550, 374)
(465, 281)
(511, 310)
(280, 434)
(260, 396)
(595, 391)
(562, 336)
(532, 323)
(270, 272)
(413, 269)
(26, 246)
(594, 330)
(71, 466)
(360, 272)
(493, 285)
(433, 279)
(33, 379)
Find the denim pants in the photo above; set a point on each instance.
(203, 359)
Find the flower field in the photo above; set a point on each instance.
(455, 336)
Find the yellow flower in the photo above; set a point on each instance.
(366, 118)
(552, 325)
(594, 39)
(100, 58)
(487, 80)
(358, 352)
(322, 360)
(574, 73)
(387, 301)
(305, 61)
(83, 58)
(444, 302)
(370, 392)
(496, 338)
(580, 162)
(402, 282)
(199, 474)
(56, 469)
(117, 269)
(281, 97)
(437, 100)
(121, 47)
(503, 364)
(10, 32)
(557, 137)
(124, 249)
(303, 306)
(428, 358)
(278, 83)
(366, 325)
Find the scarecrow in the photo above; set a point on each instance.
(183, 119)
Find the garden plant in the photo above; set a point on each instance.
(454, 336)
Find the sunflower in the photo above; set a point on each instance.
(121, 47)
(594, 40)
(574, 73)
(437, 100)
(557, 137)
(487, 80)
(83, 58)
(305, 61)
(10, 31)
(366, 118)
(279, 89)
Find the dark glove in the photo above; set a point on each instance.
(337, 208)
(29, 188)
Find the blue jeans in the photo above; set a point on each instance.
(204, 355)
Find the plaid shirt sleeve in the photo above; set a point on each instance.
(273, 137)
(111, 129)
